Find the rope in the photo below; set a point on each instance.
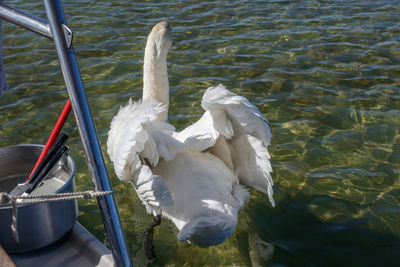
(14, 220)
(37, 199)
(14, 201)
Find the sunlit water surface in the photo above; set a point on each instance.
(325, 73)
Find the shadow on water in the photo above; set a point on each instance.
(301, 239)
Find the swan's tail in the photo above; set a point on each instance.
(208, 231)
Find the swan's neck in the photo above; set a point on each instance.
(155, 78)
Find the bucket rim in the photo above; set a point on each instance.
(61, 189)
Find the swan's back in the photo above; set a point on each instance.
(206, 195)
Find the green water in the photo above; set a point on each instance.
(325, 73)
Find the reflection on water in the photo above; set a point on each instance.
(325, 73)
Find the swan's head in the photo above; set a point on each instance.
(159, 40)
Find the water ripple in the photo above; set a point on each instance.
(325, 73)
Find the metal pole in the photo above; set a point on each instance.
(87, 131)
(25, 20)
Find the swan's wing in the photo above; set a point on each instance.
(136, 136)
(243, 115)
(200, 135)
(251, 159)
(238, 133)
(247, 132)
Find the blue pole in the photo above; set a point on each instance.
(87, 131)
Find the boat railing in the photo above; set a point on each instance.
(56, 29)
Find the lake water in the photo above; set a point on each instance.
(325, 73)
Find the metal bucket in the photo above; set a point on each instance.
(41, 224)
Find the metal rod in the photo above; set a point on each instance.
(87, 131)
(25, 20)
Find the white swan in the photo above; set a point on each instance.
(192, 177)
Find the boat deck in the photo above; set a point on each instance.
(77, 248)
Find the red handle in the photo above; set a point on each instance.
(57, 128)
